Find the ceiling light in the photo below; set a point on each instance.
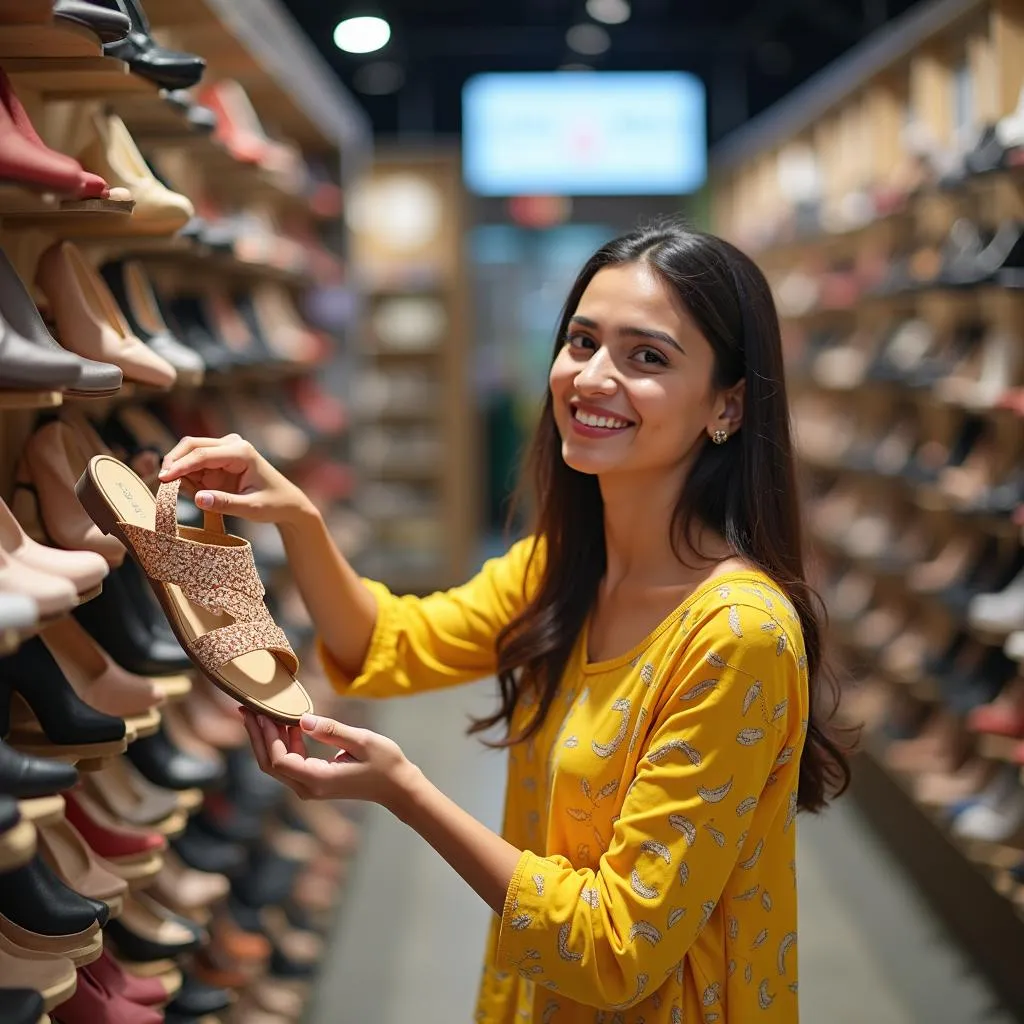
(380, 78)
(361, 35)
(611, 12)
(588, 39)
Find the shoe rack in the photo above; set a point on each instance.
(412, 445)
(885, 203)
(171, 189)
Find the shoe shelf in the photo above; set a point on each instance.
(74, 78)
(170, 841)
(74, 218)
(885, 203)
(19, 400)
(52, 40)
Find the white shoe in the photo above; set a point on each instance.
(1002, 612)
(993, 822)
(17, 611)
(1014, 646)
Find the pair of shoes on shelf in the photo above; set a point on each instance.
(32, 358)
(26, 160)
(56, 581)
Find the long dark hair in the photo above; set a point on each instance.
(744, 490)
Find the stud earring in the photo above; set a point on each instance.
(720, 436)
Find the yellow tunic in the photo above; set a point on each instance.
(655, 808)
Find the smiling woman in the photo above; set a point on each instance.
(658, 654)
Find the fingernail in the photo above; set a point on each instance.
(308, 722)
(163, 471)
(204, 499)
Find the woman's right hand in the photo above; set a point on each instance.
(229, 475)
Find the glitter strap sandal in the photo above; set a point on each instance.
(207, 584)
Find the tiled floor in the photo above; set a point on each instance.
(409, 940)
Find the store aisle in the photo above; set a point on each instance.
(409, 939)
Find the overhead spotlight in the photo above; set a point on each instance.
(588, 39)
(362, 34)
(611, 12)
(379, 78)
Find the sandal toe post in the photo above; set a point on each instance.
(208, 586)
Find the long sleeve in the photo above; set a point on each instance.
(701, 801)
(447, 638)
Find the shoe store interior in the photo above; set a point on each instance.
(344, 233)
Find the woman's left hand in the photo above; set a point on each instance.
(368, 766)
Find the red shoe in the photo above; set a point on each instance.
(998, 718)
(113, 977)
(24, 156)
(109, 839)
(94, 1003)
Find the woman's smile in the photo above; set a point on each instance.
(593, 421)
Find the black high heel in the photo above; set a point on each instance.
(66, 720)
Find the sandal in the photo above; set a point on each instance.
(208, 586)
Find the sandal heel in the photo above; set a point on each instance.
(93, 503)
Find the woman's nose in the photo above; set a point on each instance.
(597, 376)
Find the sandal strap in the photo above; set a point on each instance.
(203, 570)
(167, 512)
(216, 648)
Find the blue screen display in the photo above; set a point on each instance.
(584, 133)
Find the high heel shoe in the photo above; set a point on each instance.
(27, 777)
(89, 321)
(22, 161)
(70, 857)
(40, 913)
(128, 624)
(98, 680)
(85, 570)
(51, 460)
(94, 379)
(168, 68)
(135, 855)
(134, 294)
(65, 720)
(52, 977)
(112, 153)
(26, 366)
(54, 595)
(94, 1003)
(147, 931)
(107, 24)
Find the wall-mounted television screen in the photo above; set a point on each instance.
(580, 133)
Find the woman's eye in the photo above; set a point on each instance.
(579, 341)
(651, 357)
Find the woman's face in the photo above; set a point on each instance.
(631, 386)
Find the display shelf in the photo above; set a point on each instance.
(30, 399)
(46, 41)
(26, 12)
(986, 925)
(15, 199)
(85, 78)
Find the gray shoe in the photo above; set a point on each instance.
(95, 379)
(24, 365)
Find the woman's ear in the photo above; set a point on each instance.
(729, 409)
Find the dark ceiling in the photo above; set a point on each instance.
(749, 54)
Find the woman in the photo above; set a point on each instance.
(657, 648)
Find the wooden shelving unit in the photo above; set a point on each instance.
(850, 194)
(412, 445)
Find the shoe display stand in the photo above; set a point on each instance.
(159, 248)
(412, 440)
(885, 203)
